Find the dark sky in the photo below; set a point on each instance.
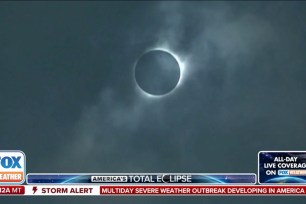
(68, 98)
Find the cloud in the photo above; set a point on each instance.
(234, 101)
(220, 98)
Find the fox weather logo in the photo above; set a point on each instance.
(12, 167)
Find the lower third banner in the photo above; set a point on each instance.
(152, 190)
(202, 190)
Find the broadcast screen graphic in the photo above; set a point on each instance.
(153, 102)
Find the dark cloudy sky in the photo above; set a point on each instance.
(69, 101)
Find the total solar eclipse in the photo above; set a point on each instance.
(157, 72)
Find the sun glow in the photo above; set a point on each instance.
(182, 66)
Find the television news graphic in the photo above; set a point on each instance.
(12, 190)
(153, 190)
(12, 167)
(282, 167)
(203, 190)
(73, 190)
(289, 166)
(158, 178)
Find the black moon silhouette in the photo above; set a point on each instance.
(157, 72)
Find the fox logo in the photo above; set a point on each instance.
(12, 167)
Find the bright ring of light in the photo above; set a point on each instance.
(181, 67)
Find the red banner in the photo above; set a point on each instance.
(12, 190)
